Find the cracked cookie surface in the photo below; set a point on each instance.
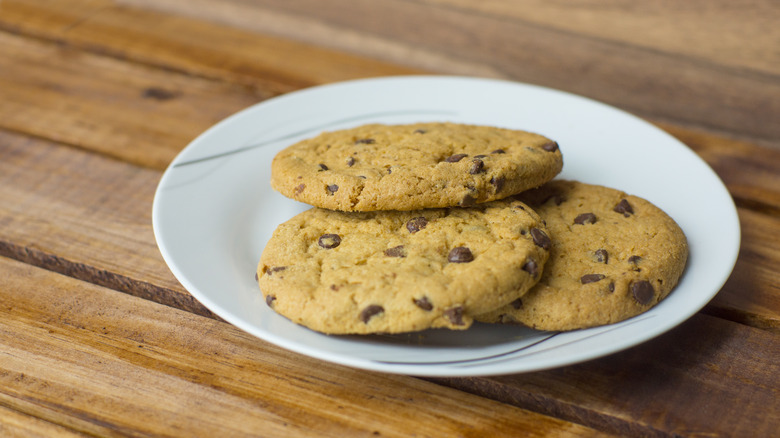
(408, 167)
(395, 271)
(613, 256)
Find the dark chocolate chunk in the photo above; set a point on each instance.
(333, 188)
(477, 166)
(298, 190)
(517, 304)
(602, 256)
(275, 269)
(591, 278)
(329, 241)
(455, 158)
(269, 300)
(624, 208)
(585, 218)
(350, 161)
(498, 151)
(550, 146)
(397, 251)
(531, 267)
(541, 239)
(455, 315)
(498, 182)
(460, 254)
(643, 291)
(365, 141)
(467, 201)
(370, 311)
(423, 303)
(416, 224)
(420, 131)
(323, 167)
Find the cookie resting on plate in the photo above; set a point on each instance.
(392, 271)
(408, 167)
(613, 256)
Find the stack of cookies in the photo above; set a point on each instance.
(436, 225)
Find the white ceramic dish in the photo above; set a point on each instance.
(214, 210)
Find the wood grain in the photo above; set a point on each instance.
(101, 362)
(195, 47)
(708, 377)
(723, 60)
(129, 111)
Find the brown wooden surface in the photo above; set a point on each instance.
(97, 96)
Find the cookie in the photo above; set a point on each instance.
(613, 257)
(409, 167)
(393, 271)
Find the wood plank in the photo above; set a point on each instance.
(724, 60)
(195, 47)
(132, 112)
(708, 377)
(15, 424)
(104, 363)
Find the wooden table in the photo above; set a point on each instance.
(98, 96)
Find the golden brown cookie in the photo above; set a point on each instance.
(408, 167)
(391, 271)
(613, 256)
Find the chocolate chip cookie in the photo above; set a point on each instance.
(613, 256)
(408, 167)
(394, 271)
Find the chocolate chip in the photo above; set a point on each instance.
(540, 238)
(334, 288)
(467, 201)
(416, 224)
(550, 146)
(591, 278)
(460, 254)
(423, 303)
(498, 151)
(455, 315)
(329, 241)
(370, 311)
(350, 161)
(333, 188)
(531, 267)
(480, 156)
(269, 300)
(634, 259)
(498, 182)
(323, 167)
(477, 166)
(643, 291)
(611, 286)
(455, 158)
(602, 256)
(517, 304)
(585, 218)
(624, 208)
(420, 131)
(275, 269)
(397, 251)
(365, 141)
(298, 190)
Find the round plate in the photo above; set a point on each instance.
(214, 211)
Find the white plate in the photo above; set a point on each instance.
(214, 210)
